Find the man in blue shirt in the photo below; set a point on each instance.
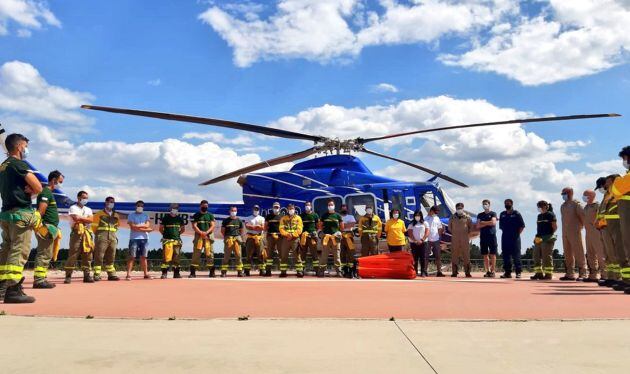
(487, 222)
(139, 237)
(512, 225)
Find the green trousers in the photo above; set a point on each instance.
(543, 261)
(15, 248)
(76, 252)
(624, 223)
(105, 252)
(44, 255)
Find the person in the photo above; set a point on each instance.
(621, 193)
(511, 225)
(272, 230)
(436, 228)
(546, 227)
(595, 257)
(172, 226)
(17, 219)
(395, 231)
(255, 224)
(608, 223)
(460, 226)
(330, 227)
(139, 229)
(290, 230)
(232, 230)
(370, 230)
(418, 232)
(48, 234)
(105, 226)
(81, 239)
(347, 243)
(487, 222)
(308, 239)
(203, 223)
(572, 216)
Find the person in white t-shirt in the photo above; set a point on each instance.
(347, 243)
(255, 224)
(418, 232)
(435, 231)
(81, 239)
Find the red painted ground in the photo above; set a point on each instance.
(429, 298)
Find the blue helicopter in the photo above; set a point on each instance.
(337, 175)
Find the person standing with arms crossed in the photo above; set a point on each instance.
(370, 230)
(232, 230)
(139, 229)
(81, 239)
(308, 239)
(105, 225)
(572, 216)
(546, 227)
(255, 224)
(330, 226)
(595, 257)
(172, 227)
(347, 243)
(460, 225)
(418, 232)
(272, 230)
(203, 223)
(487, 224)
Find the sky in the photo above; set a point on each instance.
(342, 68)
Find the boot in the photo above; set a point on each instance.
(239, 273)
(223, 273)
(164, 273)
(439, 274)
(247, 271)
(112, 277)
(548, 276)
(355, 272)
(610, 282)
(602, 282)
(15, 295)
(518, 275)
(261, 272)
(320, 272)
(537, 276)
(268, 271)
(454, 275)
(97, 277)
(348, 272)
(68, 277)
(193, 272)
(3, 289)
(620, 286)
(211, 273)
(467, 271)
(87, 278)
(506, 275)
(283, 274)
(43, 284)
(567, 278)
(300, 274)
(176, 274)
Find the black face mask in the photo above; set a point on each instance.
(204, 209)
(508, 207)
(344, 212)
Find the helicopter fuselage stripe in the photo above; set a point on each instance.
(289, 184)
(305, 177)
(273, 197)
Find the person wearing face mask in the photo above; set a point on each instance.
(139, 229)
(572, 217)
(512, 225)
(330, 225)
(395, 231)
(255, 224)
(48, 234)
(436, 228)
(544, 241)
(81, 240)
(105, 227)
(172, 226)
(487, 222)
(608, 224)
(460, 226)
(370, 230)
(203, 224)
(594, 243)
(348, 266)
(418, 232)
(308, 239)
(232, 230)
(290, 230)
(272, 229)
(621, 193)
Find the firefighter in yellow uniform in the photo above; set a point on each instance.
(254, 252)
(370, 230)
(290, 231)
(105, 227)
(81, 239)
(546, 226)
(172, 226)
(608, 224)
(272, 229)
(203, 223)
(232, 230)
(621, 193)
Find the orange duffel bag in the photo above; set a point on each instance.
(396, 265)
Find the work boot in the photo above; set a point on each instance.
(261, 272)
(518, 275)
(193, 272)
(439, 274)
(506, 275)
(567, 278)
(164, 274)
(627, 291)
(454, 275)
(15, 294)
(112, 277)
(602, 282)
(338, 273)
(43, 284)
(3, 289)
(492, 275)
(548, 276)
(467, 271)
(211, 273)
(239, 273)
(223, 273)
(355, 272)
(97, 277)
(247, 272)
(468, 275)
(620, 286)
(537, 276)
(320, 272)
(283, 274)
(300, 274)
(87, 278)
(176, 274)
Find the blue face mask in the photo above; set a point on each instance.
(565, 197)
(24, 153)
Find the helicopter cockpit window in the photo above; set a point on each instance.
(357, 203)
(429, 199)
(397, 202)
(320, 204)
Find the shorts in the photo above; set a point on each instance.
(488, 246)
(137, 247)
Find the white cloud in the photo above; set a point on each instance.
(28, 14)
(240, 140)
(155, 82)
(384, 87)
(584, 37)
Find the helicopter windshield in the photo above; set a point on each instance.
(429, 199)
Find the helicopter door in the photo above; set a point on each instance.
(320, 204)
(357, 202)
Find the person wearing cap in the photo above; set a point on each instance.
(460, 226)
(255, 224)
(572, 217)
(608, 224)
(308, 239)
(595, 256)
(330, 226)
(347, 243)
(172, 226)
(621, 193)
(487, 224)
(272, 230)
(370, 230)
(290, 230)
(232, 230)
(203, 223)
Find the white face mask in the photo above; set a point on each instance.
(369, 211)
(585, 198)
(417, 218)
(83, 201)
(139, 209)
(460, 211)
(601, 190)
(256, 213)
(24, 154)
(276, 210)
(173, 211)
(539, 210)
(307, 208)
(565, 197)
(232, 214)
(486, 207)
(331, 208)
(395, 215)
(626, 164)
(291, 212)
(110, 206)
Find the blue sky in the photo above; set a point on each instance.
(183, 57)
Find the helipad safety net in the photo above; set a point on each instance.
(396, 265)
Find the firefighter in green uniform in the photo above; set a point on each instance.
(105, 228)
(331, 225)
(546, 226)
(48, 233)
(203, 223)
(308, 239)
(17, 219)
(171, 227)
(232, 230)
(255, 224)
(272, 229)
(370, 229)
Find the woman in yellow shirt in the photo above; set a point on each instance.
(395, 230)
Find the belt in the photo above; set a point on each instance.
(113, 229)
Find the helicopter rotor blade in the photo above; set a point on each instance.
(526, 120)
(210, 121)
(263, 164)
(426, 170)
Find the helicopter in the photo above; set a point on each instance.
(337, 176)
